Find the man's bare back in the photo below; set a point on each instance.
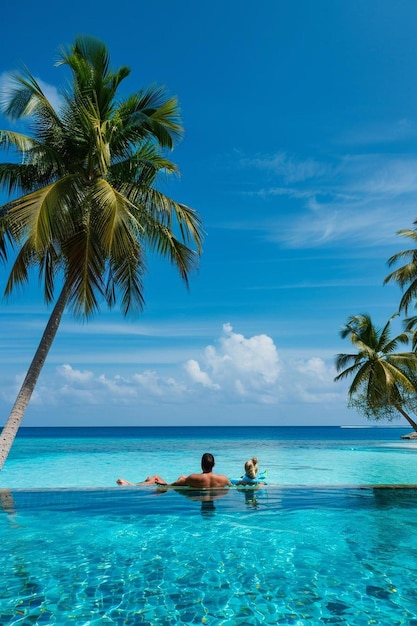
(205, 480)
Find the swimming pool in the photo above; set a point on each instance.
(276, 555)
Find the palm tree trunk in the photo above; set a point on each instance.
(412, 423)
(11, 427)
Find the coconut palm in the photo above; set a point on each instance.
(88, 207)
(407, 274)
(383, 379)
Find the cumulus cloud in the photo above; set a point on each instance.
(197, 375)
(313, 381)
(159, 386)
(314, 367)
(235, 369)
(73, 375)
(243, 367)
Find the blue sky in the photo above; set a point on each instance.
(300, 155)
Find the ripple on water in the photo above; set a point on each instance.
(316, 556)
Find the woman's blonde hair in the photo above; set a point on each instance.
(251, 467)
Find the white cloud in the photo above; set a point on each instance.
(233, 370)
(70, 395)
(157, 385)
(72, 375)
(353, 197)
(245, 367)
(313, 381)
(197, 375)
(117, 388)
(314, 367)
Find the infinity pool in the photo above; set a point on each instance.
(291, 555)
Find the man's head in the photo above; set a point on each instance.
(207, 462)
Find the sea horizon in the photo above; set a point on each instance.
(249, 426)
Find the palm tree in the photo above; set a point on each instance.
(407, 274)
(383, 379)
(88, 207)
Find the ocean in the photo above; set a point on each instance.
(320, 455)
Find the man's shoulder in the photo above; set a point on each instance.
(222, 480)
(218, 480)
(207, 480)
(196, 480)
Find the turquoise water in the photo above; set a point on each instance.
(275, 556)
(96, 457)
(322, 548)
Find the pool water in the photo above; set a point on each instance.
(274, 555)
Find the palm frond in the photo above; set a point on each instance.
(43, 215)
(399, 376)
(361, 378)
(389, 346)
(49, 264)
(405, 232)
(25, 258)
(126, 278)
(140, 169)
(383, 337)
(151, 111)
(343, 360)
(114, 223)
(22, 143)
(409, 325)
(6, 238)
(165, 210)
(25, 98)
(85, 264)
(405, 276)
(162, 240)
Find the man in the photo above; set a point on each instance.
(206, 480)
